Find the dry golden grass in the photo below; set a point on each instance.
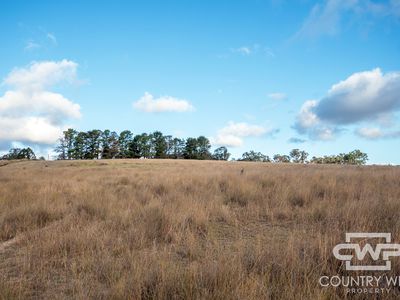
(170, 229)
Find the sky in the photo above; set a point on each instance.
(269, 76)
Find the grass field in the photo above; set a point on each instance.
(172, 229)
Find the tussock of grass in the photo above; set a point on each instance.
(130, 229)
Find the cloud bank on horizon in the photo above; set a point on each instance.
(29, 111)
(233, 134)
(363, 98)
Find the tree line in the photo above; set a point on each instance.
(97, 144)
(355, 157)
(19, 153)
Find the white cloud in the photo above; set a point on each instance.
(40, 75)
(369, 96)
(306, 118)
(362, 96)
(29, 112)
(277, 96)
(227, 140)
(232, 135)
(31, 129)
(369, 133)
(148, 103)
(374, 133)
(242, 129)
(48, 104)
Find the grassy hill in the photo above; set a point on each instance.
(174, 229)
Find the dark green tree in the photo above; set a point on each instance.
(18, 153)
(176, 148)
(355, 157)
(221, 153)
(65, 148)
(79, 146)
(298, 156)
(278, 158)
(203, 148)
(254, 156)
(109, 144)
(190, 151)
(124, 142)
(93, 142)
(159, 145)
(141, 146)
(295, 155)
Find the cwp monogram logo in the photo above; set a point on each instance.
(379, 252)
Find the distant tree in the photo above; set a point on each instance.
(197, 148)
(355, 157)
(278, 158)
(124, 143)
(298, 156)
(141, 146)
(221, 153)
(190, 151)
(109, 144)
(159, 144)
(65, 147)
(295, 155)
(303, 156)
(61, 149)
(18, 153)
(80, 146)
(316, 160)
(254, 156)
(176, 148)
(203, 148)
(93, 142)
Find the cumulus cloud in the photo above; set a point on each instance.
(232, 135)
(375, 133)
(29, 129)
(362, 96)
(148, 103)
(40, 75)
(29, 111)
(306, 118)
(369, 96)
(227, 140)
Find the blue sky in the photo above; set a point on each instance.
(247, 74)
